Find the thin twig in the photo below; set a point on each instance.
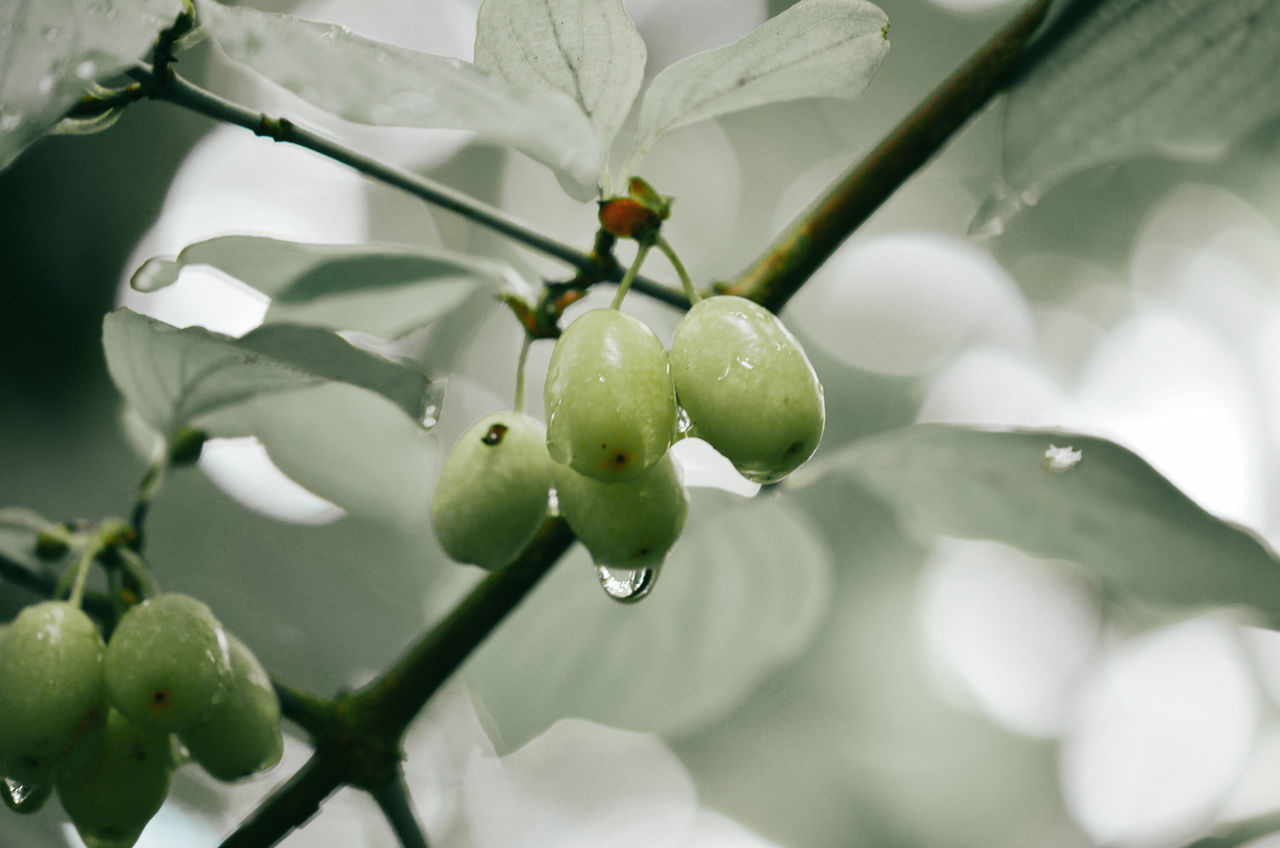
(816, 233)
(397, 805)
(398, 695)
(180, 91)
(290, 806)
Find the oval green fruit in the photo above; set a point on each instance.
(747, 387)
(50, 688)
(168, 663)
(113, 796)
(242, 735)
(633, 524)
(493, 491)
(610, 402)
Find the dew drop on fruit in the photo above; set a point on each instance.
(683, 424)
(626, 585)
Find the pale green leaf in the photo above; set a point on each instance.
(1098, 505)
(817, 48)
(351, 447)
(743, 591)
(384, 290)
(1181, 78)
(52, 51)
(174, 377)
(587, 49)
(371, 82)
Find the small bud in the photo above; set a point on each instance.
(117, 532)
(52, 542)
(637, 216)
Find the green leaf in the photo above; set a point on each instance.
(1101, 507)
(817, 48)
(52, 51)
(18, 530)
(384, 290)
(370, 82)
(174, 377)
(1181, 78)
(588, 49)
(743, 591)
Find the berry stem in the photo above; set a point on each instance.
(668, 251)
(520, 369)
(632, 272)
(79, 572)
(136, 569)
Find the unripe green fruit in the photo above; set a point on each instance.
(168, 663)
(611, 408)
(50, 689)
(625, 525)
(493, 490)
(242, 735)
(747, 387)
(111, 799)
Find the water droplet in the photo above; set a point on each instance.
(86, 69)
(995, 213)
(10, 122)
(431, 416)
(50, 33)
(25, 797)
(626, 585)
(683, 424)
(45, 85)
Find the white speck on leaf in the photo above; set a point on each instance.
(1060, 459)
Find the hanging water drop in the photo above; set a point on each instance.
(625, 585)
(25, 797)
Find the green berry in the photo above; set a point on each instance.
(625, 525)
(168, 663)
(611, 410)
(50, 689)
(747, 387)
(242, 735)
(113, 796)
(493, 490)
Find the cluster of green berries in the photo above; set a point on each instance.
(106, 724)
(613, 397)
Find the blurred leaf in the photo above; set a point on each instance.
(588, 49)
(742, 592)
(52, 51)
(817, 48)
(18, 529)
(175, 377)
(1109, 512)
(370, 82)
(385, 290)
(1183, 78)
(350, 447)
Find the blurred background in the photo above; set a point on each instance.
(812, 668)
